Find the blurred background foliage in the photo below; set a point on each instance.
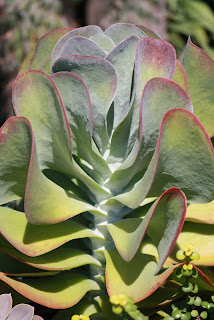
(23, 22)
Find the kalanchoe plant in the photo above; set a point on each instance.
(19, 312)
(103, 155)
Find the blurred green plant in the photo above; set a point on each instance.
(194, 18)
(23, 22)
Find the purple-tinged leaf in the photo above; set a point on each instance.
(45, 46)
(154, 58)
(178, 161)
(163, 222)
(149, 33)
(159, 96)
(135, 278)
(87, 32)
(81, 46)
(200, 73)
(44, 108)
(21, 312)
(37, 318)
(180, 76)
(120, 31)
(92, 70)
(5, 305)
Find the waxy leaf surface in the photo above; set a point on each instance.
(78, 108)
(62, 258)
(139, 284)
(104, 42)
(120, 31)
(163, 222)
(36, 240)
(200, 73)
(81, 46)
(57, 292)
(201, 212)
(92, 70)
(15, 153)
(87, 31)
(179, 161)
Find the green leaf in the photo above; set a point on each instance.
(62, 258)
(163, 222)
(180, 76)
(92, 70)
(149, 33)
(15, 153)
(139, 284)
(59, 292)
(159, 96)
(200, 73)
(45, 46)
(104, 42)
(201, 212)
(81, 46)
(120, 31)
(123, 55)
(179, 161)
(34, 240)
(154, 58)
(87, 32)
(78, 108)
(36, 97)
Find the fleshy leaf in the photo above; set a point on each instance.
(92, 70)
(35, 96)
(104, 42)
(164, 221)
(159, 96)
(5, 305)
(36, 240)
(81, 46)
(15, 152)
(21, 312)
(37, 318)
(120, 31)
(123, 55)
(179, 161)
(45, 110)
(200, 73)
(62, 258)
(59, 292)
(150, 33)
(154, 58)
(180, 76)
(203, 213)
(87, 32)
(78, 108)
(139, 284)
(45, 46)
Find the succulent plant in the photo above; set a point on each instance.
(99, 164)
(19, 312)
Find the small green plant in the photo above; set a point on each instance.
(100, 167)
(191, 306)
